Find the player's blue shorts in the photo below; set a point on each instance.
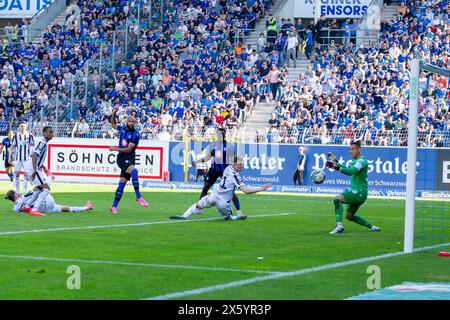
(124, 163)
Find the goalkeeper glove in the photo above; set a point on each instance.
(331, 157)
(332, 161)
(331, 165)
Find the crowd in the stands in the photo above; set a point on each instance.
(194, 72)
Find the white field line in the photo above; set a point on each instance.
(136, 224)
(276, 276)
(134, 264)
(314, 200)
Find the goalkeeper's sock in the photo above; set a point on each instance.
(119, 193)
(194, 209)
(135, 181)
(338, 210)
(11, 176)
(361, 221)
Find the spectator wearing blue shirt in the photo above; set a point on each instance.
(346, 33)
(309, 43)
(123, 69)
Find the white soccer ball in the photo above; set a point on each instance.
(318, 176)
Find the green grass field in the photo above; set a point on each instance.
(140, 253)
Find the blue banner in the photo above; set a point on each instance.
(21, 8)
(277, 164)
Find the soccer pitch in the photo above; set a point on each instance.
(282, 251)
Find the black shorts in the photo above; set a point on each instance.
(123, 164)
(8, 165)
(213, 175)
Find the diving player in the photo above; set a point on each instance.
(223, 192)
(222, 153)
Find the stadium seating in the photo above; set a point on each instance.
(361, 93)
(193, 73)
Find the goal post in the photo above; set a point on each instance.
(410, 204)
(411, 175)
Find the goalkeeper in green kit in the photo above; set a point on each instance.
(357, 170)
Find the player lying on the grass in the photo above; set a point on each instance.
(7, 145)
(223, 192)
(128, 141)
(27, 202)
(357, 170)
(221, 153)
(23, 203)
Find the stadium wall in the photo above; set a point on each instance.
(90, 161)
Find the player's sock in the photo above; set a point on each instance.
(119, 193)
(41, 198)
(77, 209)
(205, 190)
(238, 217)
(236, 203)
(11, 176)
(18, 184)
(25, 185)
(135, 180)
(191, 211)
(361, 221)
(338, 210)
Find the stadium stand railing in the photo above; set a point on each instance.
(15, 34)
(326, 36)
(313, 135)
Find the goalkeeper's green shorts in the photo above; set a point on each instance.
(354, 199)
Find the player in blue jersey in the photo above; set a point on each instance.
(128, 142)
(7, 145)
(221, 153)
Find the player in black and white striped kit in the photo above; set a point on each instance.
(22, 147)
(223, 193)
(35, 170)
(48, 205)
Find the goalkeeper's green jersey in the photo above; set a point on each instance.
(357, 170)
